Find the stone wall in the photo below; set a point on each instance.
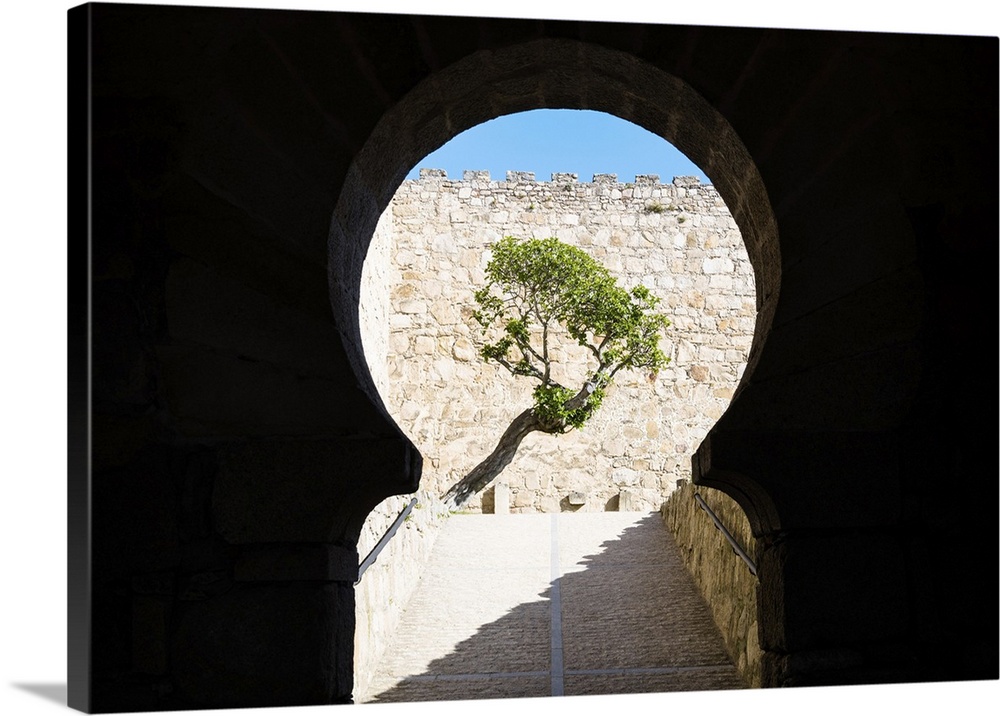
(724, 579)
(387, 585)
(678, 239)
(376, 278)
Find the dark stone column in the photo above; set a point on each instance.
(835, 582)
(834, 609)
(271, 621)
(283, 635)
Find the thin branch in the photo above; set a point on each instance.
(545, 353)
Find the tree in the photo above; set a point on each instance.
(533, 288)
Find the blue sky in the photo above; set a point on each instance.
(548, 141)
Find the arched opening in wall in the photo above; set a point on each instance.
(600, 80)
(651, 219)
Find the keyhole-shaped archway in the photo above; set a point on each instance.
(551, 73)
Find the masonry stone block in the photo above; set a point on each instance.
(501, 499)
(268, 644)
(265, 491)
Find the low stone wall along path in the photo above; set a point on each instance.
(549, 605)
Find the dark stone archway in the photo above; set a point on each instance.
(545, 73)
(236, 444)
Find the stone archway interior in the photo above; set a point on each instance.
(564, 74)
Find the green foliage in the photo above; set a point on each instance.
(534, 285)
(655, 207)
(549, 401)
(550, 406)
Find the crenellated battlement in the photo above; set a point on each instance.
(561, 178)
(520, 192)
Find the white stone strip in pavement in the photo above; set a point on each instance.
(555, 607)
(570, 672)
(484, 676)
(724, 668)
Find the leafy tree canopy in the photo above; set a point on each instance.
(534, 285)
(536, 289)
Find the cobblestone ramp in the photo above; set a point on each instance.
(550, 605)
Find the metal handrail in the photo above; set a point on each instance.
(373, 555)
(729, 537)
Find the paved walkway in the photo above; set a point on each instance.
(550, 605)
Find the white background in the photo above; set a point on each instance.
(33, 387)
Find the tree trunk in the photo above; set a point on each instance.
(486, 471)
(527, 422)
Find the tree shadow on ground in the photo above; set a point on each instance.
(624, 619)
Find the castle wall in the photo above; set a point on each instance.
(387, 585)
(724, 580)
(677, 238)
(376, 276)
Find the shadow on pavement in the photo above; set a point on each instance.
(631, 621)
